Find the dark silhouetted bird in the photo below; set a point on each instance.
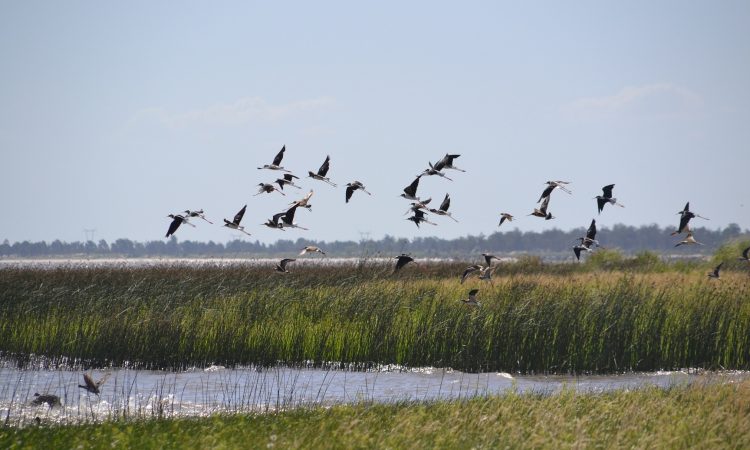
(197, 213)
(276, 161)
(551, 186)
(235, 223)
(410, 191)
(504, 217)
(50, 399)
(472, 299)
(353, 186)
(587, 241)
(402, 260)
(287, 219)
(321, 175)
(447, 163)
(90, 385)
(443, 210)
(281, 266)
(177, 220)
(602, 200)
(542, 210)
(288, 179)
(745, 255)
(267, 188)
(715, 273)
(419, 217)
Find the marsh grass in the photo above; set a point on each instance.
(695, 416)
(568, 320)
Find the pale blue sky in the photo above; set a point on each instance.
(113, 115)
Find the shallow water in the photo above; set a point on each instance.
(129, 393)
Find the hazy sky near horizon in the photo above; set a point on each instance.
(113, 115)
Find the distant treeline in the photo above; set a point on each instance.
(553, 242)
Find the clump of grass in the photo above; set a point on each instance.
(178, 317)
(697, 416)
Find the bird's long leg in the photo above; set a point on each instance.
(329, 182)
(188, 223)
(705, 218)
(445, 176)
(280, 192)
(456, 220)
(564, 189)
(243, 230)
(456, 168)
(206, 220)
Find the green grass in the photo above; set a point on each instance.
(568, 321)
(699, 416)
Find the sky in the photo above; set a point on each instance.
(115, 114)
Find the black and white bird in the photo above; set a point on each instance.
(353, 186)
(287, 180)
(443, 210)
(304, 202)
(504, 217)
(587, 241)
(542, 210)
(402, 260)
(275, 165)
(447, 163)
(321, 174)
(311, 249)
(90, 385)
(281, 266)
(50, 400)
(410, 191)
(745, 255)
(419, 217)
(177, 220)
(267, 188)
(434, 171)
(472, 299)
(602, 200)
(486, 274)
(287, 219)
(551, 186)
(235, 223)
(488, 258)
(419, 204)
(715, 272)
(274, 223)
(197, 213)
(685, 216)
(688, 240)
(471, 269)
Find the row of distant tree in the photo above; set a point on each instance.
(628, 239)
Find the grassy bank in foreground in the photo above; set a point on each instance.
(177, 317)
(700, 416)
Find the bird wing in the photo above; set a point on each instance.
(469, 270)
(403, 260)
(279, 156)
(349, 192)
(239, 215)
(546, 192)
(103, 379)
(324, 167)
(174, 226)
(288, 216)
(600, 202)
(285, 261)
(545, 204)
(683, 222)
(89, 381)
(502, 219)
(718, 268)
(446, 203)
(608, 190)
(591, 233)
(276, 217)
(473, 294)
(745, 253)
(412, 188)
(289, 176)
(577, 251)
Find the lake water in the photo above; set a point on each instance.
(146, 393)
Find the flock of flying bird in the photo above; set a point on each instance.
(419, 209)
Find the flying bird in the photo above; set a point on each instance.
(469, 270)
(419, 204)
(688, 240)
(410, 191)
(587, 241)
(434, 171)
(50, 399)
(542, 210)
(551, 186)
(447, 163)
(488, 258)
(267, 188)
(443, 210)
(715, 273)
(177, 220)
(287, 179)
(235, 223)
(276, 161)
(486, 274)
(472, 299)
(602, 200)
(402, 260)
(353, 186)
(419, 217)
(321, 175)
(89, 384)
(504, 217)
(305, 201)
(685, 216)
(311, 249)
(281, 266)
(197, 213)
(274, 222)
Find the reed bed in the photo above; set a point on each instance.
(567, 321)
(696, 416)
